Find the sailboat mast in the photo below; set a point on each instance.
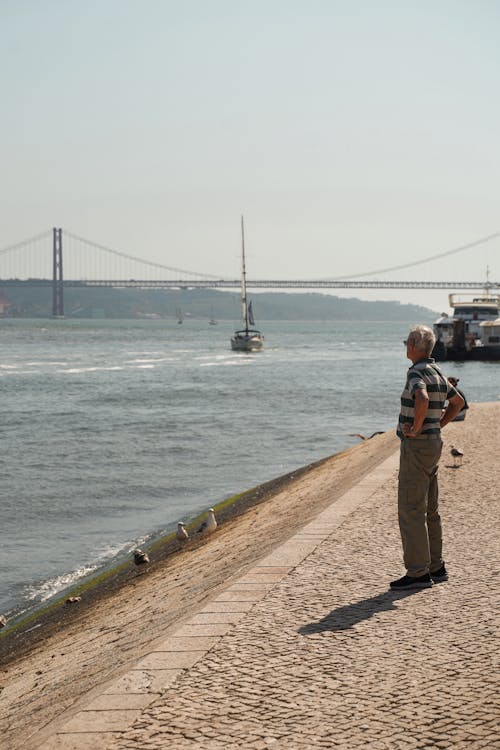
(244, 307)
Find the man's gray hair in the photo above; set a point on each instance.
(422, 338)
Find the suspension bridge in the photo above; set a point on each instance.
(39, 261)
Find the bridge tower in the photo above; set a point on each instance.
(57, 275)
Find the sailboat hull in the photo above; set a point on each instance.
(247, 341)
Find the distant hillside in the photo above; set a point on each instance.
(203, 303)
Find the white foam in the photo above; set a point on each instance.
(149, 360)
(231, 363)
(46, 363)
(26, 372)
(50, 588)
(77, 370)
(40, 592)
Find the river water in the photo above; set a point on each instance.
(112, 431)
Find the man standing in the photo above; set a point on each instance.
(420, 421)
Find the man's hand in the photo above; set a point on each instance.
(408, 430)
(421, 407)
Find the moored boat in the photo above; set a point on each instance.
(466, 333)
(490, 334)
(247, 339)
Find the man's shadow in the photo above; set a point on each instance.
(345, 617)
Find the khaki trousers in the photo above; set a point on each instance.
(419, 520)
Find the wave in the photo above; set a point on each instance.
(77, 370)
(150, 360)
(42, 591)
(228, 363)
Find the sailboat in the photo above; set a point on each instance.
(247, 339)
(178, 312)
(212, 321)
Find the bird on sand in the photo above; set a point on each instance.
(208, 526)
(457, 454)
(73, 599)
(181, 533)
(140, 557)
(3, 621)
(364, 437)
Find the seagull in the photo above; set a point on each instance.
(73, 600)
(457, 454)
(140, 557)
(181, 533)
(3, 621)
(208, 526)
(364, 437)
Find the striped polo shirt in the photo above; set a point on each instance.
(426, 375)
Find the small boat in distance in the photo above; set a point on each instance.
(212, 321)
(178, 312)
(247, 339)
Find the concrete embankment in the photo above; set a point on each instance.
(51, 663)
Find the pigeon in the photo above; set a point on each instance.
(208, 526)
(181, 533)
(3, 621)
(140, 557)
(457, 454)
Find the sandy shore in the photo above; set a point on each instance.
(50, 665)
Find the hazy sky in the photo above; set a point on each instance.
(352, 134)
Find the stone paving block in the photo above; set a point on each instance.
(80, 741)
(101, 721)
(246, 586)
(205, 618)
(261, 578)
(291, 553)
(275, 569)
(240, 596)
(169, 659)
(186, 643)
(315, 527)
(107, 702)
(143, 681)
(201, 629)
(231, 606)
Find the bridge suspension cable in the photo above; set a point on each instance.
(134, 258)
(30, 240)
(455, 250)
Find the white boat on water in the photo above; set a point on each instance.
(461, 335)
(247, 339)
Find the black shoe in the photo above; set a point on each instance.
(409, 582)
(440, 575)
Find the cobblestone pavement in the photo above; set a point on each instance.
(331, 659)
